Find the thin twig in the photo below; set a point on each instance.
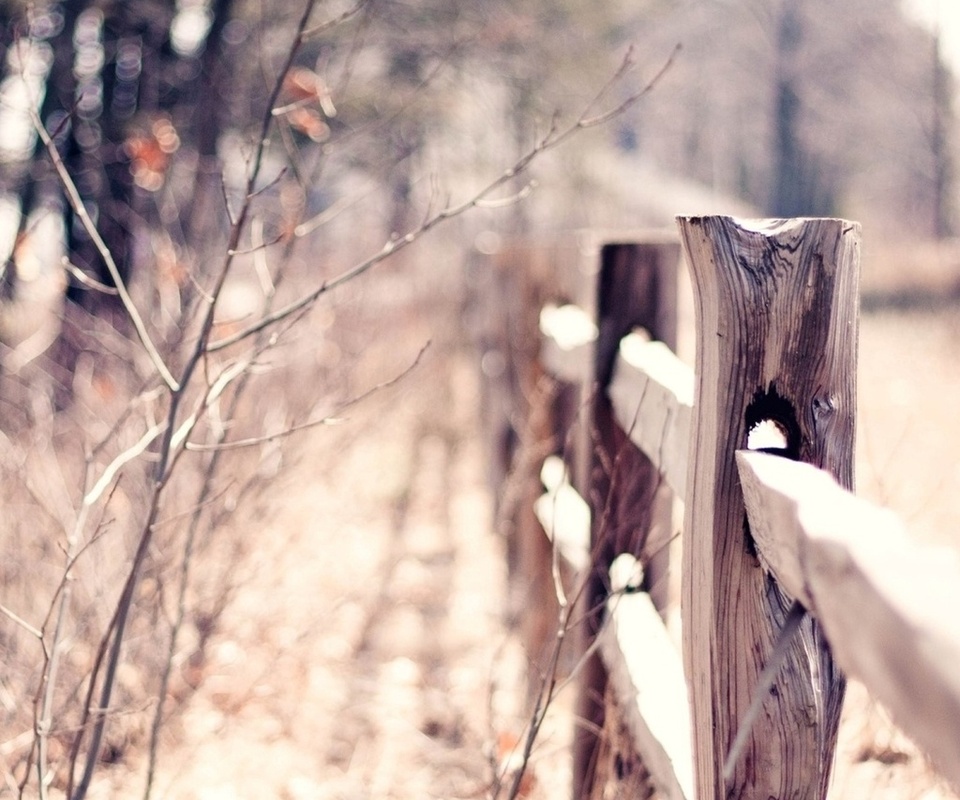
(76, 203)
(551, 685)
(118, 463)
(85, 280)
(331, 212)
(763, 688)
(552, 139)
(35, 632)
(512, 200)
(257, 247)
(268, 185)
(108, 653)
(210, 396)
(333, 23)
(190, 512)
(43, 702)
(205, 496)
(327, 420)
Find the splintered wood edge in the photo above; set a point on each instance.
(890, 608)
(652, 394)
(646, 672)
(566, 348)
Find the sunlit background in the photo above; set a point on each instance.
(329, 601)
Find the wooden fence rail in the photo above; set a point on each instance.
(776, 337)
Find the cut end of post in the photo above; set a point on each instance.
(760, 223)
(774, 226)
(770, 226)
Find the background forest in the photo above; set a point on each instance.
(783, 108)
(237, 317)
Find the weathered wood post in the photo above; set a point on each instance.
(523, 410)
(636, 288)
(777, 323)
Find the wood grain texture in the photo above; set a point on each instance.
(888, 606)
(777, 322)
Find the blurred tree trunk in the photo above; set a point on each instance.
(799, 187)
(121, 97)
(787, 175)
(939, 145)
(207, 114)
(407, 139)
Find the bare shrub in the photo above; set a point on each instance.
(194, 345)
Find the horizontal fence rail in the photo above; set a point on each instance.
(886, 606)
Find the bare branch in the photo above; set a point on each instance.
(213, 393)
(190, 398)
(330, 213)
(606, 116)
(86, 280)
(504, 202)
(117, 464)
(189, 512)
(280, 111)
(76, 203)
(226, 200)
(268, 185)
(328, 420)
(332, 23)
(255, 248)
(108, 653)
(36, 633)
(549, 141)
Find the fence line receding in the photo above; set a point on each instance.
(776, 333)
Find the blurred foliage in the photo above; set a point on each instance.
(797, 107)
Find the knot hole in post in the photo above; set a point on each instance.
(772, 427)
(771, 424)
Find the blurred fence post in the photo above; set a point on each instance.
(636, 288)
(525, 414)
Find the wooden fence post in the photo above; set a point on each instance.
(524, 416)
(777, 323)
(636, 289)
